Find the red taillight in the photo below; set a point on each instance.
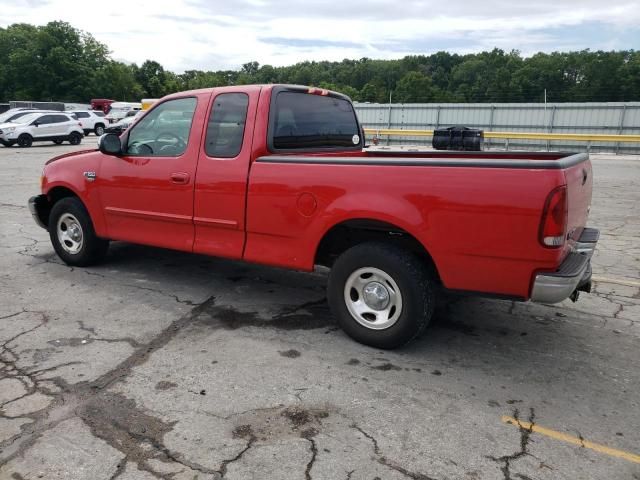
(553, 227)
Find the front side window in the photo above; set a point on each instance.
(164, 131)
(225, 129)
(81, 114)
(302, 121)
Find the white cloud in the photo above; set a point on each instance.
(198, 34)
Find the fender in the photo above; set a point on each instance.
(68, 171)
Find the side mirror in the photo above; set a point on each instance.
(36, 123)
(110, 144)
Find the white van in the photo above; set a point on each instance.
(119, 110)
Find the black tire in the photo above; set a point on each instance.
(25, 140)
(75, 138)
(93, 248)
(86, 132)
(99, 130)
(412, 278)
(57, 141)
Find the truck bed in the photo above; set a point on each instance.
(476, 213)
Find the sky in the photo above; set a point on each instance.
(224, 34)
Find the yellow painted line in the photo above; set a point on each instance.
(616, 281)
(582, 137)
(596, 447)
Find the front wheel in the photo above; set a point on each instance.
(75, 138)
(72, 234)
(382, 295)
(25, 140)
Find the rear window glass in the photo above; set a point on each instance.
(305, 121)
(99, 114)
(81, 114)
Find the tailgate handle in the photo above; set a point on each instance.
(180, 177)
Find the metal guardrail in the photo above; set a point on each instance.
(583, 137)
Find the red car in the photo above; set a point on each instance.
(278, 175)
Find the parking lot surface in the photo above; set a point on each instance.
(160, 364)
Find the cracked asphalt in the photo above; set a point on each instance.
(159, 364)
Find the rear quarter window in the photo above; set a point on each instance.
(302, 121)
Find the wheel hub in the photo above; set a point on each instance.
(69, 233)
(376, 296)
(373, 298)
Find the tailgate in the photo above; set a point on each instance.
(579, 179)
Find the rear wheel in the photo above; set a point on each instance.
(57, 141)
(382, 295)
(25, 140)
(72, 234)
(99, 130)
(75, 138)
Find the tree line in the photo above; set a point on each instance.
(61, 63)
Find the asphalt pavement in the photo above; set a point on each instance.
(161, 364)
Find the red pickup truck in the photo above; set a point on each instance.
(278, 175)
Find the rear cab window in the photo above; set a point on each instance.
(317, 121)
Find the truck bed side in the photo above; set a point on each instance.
(479, 224)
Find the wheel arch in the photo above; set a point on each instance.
(349, 233)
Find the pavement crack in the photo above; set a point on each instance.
(376, 448)
(407, 473)
(74, 400)
(525, 436)
(12, 315)
(225, 463)
(313, 447)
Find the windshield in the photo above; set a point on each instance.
(29, 117)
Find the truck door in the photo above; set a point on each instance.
(147, 193)
(223, 168)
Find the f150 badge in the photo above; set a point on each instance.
(91, 176)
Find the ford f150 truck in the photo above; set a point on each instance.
(278, 175)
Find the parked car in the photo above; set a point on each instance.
(277, 174)
(121, 125)
(119, 110)
(91, 121)
(16, 113)
(102, 104)
(40, 127)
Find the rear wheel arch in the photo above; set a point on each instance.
(347, 234)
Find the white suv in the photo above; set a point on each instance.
(91, 121)
(40, 127)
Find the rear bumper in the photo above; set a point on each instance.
(573, 276)
(39, 208)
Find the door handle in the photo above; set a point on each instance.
(180, 177)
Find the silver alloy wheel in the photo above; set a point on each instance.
(70, 233)
(99, 130)
(373, 298)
